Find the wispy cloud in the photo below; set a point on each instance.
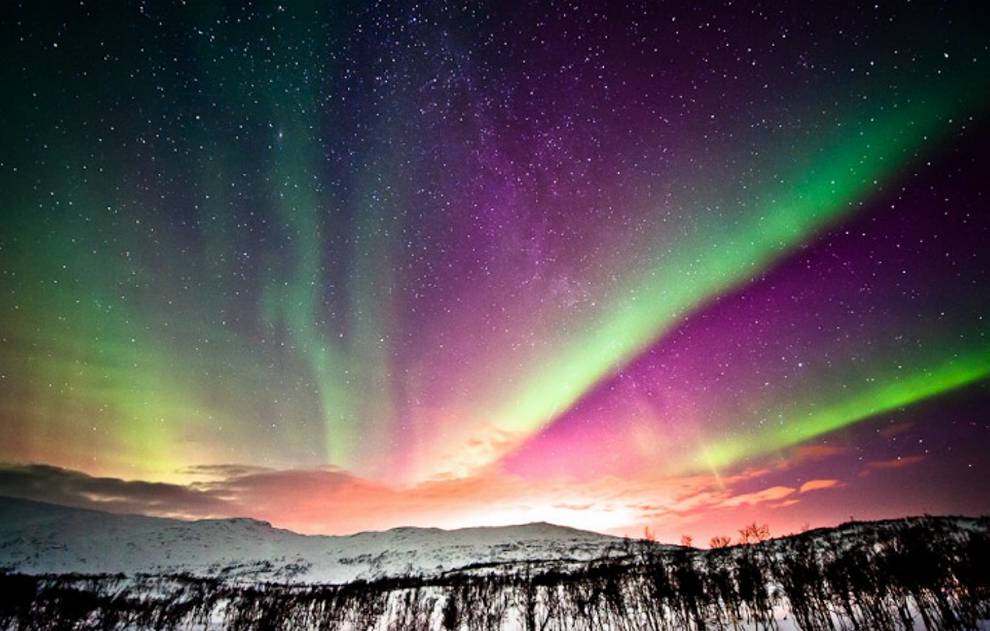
(74, 488)
(770, 494)
(894, 463)
(818, 452)
(818, 485)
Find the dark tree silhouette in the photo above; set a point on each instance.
(754, 533)
(920, 572)
(719, 541)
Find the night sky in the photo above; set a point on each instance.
(355, 266)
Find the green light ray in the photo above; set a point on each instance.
(683, 272)
(343, 334)
(798, 427)
(293, 297)
(101, 376)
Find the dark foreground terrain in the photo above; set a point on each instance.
(930, 572)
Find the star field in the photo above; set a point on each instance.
(552, 245)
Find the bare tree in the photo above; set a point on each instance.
(719, 541)
(754, 533)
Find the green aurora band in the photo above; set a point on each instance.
(820, 188)
(133, 310)
(804, 424)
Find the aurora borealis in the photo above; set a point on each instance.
(349, 266)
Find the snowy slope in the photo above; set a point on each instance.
(38, 538)
(144, 572)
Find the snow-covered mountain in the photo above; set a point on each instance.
(40, 538)
(72, 568)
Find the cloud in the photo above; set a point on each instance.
(894, 463)
(817, 485)
(222, 470)
(818, 452)
(74, 488)
(770, 494)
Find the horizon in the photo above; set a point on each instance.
(140, 499)
(635, 269)
(732, 541)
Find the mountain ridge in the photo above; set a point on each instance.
(5, 500)
(48, 538)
